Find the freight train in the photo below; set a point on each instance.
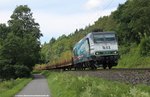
(97, 49)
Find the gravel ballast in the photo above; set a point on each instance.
(132, 76)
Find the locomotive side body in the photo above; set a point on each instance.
(96, 49)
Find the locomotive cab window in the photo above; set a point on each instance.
(98, 38)
(109, 37)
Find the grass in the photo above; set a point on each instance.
(131, 58)
(11, 87)
(67, 85)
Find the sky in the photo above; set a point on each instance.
(58, 17)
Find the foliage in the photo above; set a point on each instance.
(21, 71)
(13, 71)
(131, 57)
(19, 41)
(11, 87)
(67, 85)
(133, 20)
(7, 72)
(61, 49)
(145, 46)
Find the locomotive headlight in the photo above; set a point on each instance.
(97, 53)
(115, 52)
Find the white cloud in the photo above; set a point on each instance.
(54, 25)
(90, 4)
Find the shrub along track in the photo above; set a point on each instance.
(132, 76)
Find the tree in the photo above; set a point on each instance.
(133, 20)
(23, 26)
(19, 42)
(3, 31)
(3, 35)
(52, 40)
(22, 23)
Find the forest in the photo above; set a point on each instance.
(130, 21)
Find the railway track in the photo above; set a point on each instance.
(126, 75)
(139, 69)
(101, 69)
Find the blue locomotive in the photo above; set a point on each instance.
(95, 50)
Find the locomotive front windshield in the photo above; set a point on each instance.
(104, 37)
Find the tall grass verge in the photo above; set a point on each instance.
(67, 85)
(131, 58)
(11, 87)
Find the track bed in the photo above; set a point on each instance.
(132, 76)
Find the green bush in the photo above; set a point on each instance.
(21, 71)
(13, 71)
(7, 72)
(145, 46)
(133, 58)
(124, 49)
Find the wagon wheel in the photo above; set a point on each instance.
(109, 66)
